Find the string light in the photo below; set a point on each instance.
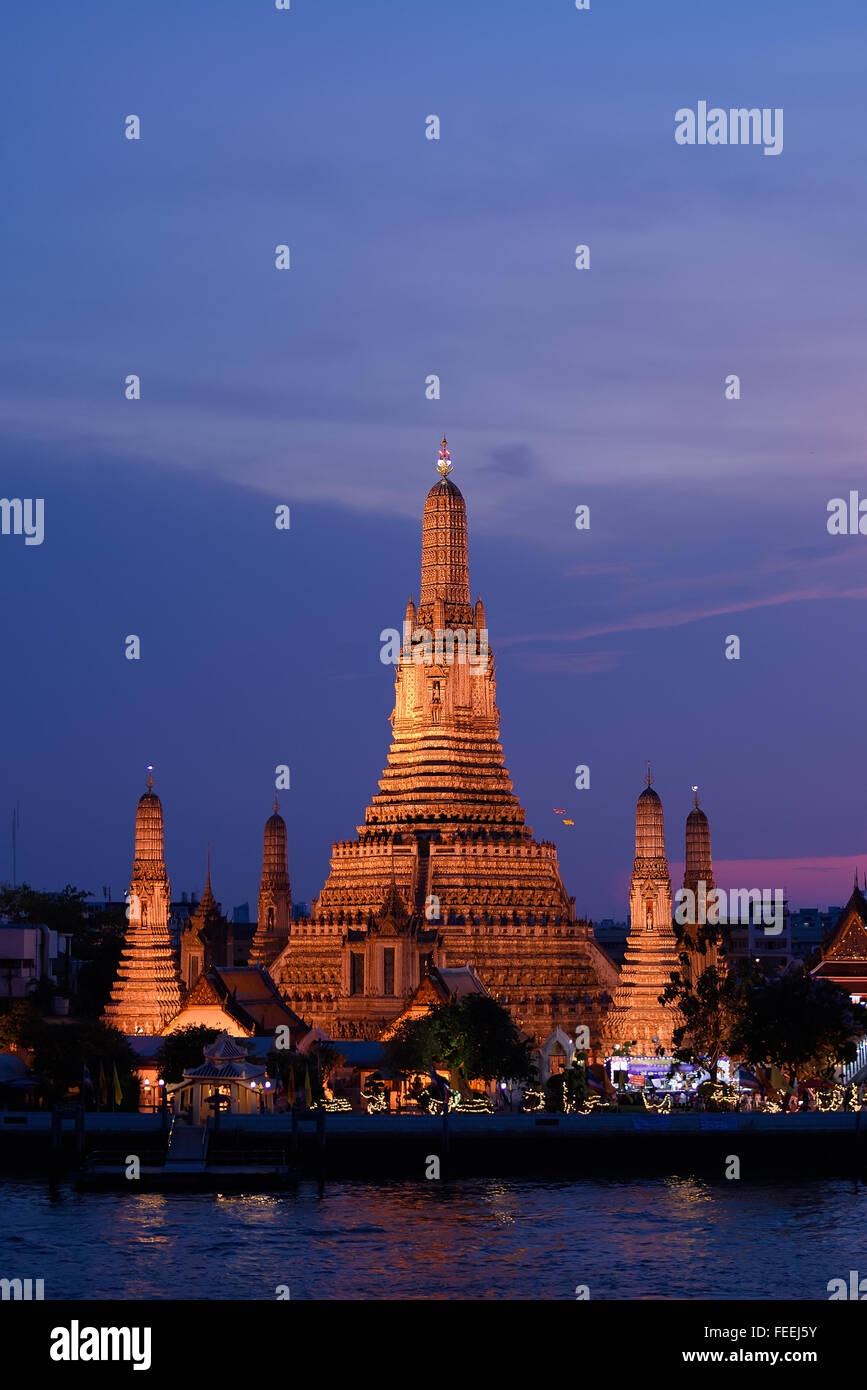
(376, 1101)
(475, 1105)
(830, 1100)
(536, 1101)
(661, 1107)
(591, 1103)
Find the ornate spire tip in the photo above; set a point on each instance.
(444, 464)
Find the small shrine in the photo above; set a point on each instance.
(228, 1077)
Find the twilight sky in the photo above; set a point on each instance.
(558, 387)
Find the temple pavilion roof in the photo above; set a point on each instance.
(225, 1061)
(847, 944)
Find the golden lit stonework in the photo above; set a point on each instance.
(147, 991)
(636, 1016)
(444, 870)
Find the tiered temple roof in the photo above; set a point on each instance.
(698, 871)
(844, 953)
(147, 991)
(636, 1015)
(444, 860)
(275, 897)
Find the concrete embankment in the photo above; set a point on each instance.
(565, 1146)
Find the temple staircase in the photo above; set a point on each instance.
(187, 1150)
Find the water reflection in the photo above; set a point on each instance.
(677, 1237)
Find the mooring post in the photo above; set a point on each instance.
(320, 1129)
(56, 1131)
(56, 1141)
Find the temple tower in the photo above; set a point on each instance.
(651, 949)
(208, 939)
(444, 869)
(147, 993)
(274, 919)
(698, 878)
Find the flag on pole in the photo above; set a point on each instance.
(290, 1089)
(118, 1093)
(308, 1090)
(103, 1084)
(85, 1078)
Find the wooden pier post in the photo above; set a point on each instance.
(293, 1117)
(320, 1131)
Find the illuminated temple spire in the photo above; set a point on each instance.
(636, 1015)
(445, 568)
(275, 897)
(146, 994)
(698, 878)
(208, 940)
(446, 760)
(698, 866)
(445, 869)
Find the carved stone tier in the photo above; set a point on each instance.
(636, 1015)
(444, 869)
(147, 991)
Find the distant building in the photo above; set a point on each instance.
(809, 929)
(27, 953)
(612, 936)
(751, 940)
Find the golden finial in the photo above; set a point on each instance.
(649, 778)
(695, 796)
(276, 806)
(444, 464)
(150, 777)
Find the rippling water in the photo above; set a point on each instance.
(666, 1238)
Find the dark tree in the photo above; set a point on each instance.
(183, 1049)
(473, 1037)
(802, 1025)
(708, 1002)
(59, 1052)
